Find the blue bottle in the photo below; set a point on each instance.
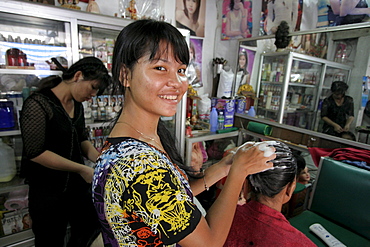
(213, 119)
(251, 112)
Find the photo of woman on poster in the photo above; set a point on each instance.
(244, 68)
(278, 10)
(190, 15)
(193, 71)
(343, 12)
(237, 19)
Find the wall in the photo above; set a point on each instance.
(212, 44)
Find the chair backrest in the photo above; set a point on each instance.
(341, 193)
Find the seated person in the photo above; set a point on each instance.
(296, 204)
(302, 171)
(260, 222)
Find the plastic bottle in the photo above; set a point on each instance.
(268, 101)
(7, 165)
(214, 119)
(251, 112)
(221, 120)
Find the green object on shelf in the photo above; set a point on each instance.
(259, 128)
(227, 130)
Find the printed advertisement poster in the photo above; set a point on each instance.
(190, 15)
(194, 71)
(244, 68)
(276, 11)
(236, 19)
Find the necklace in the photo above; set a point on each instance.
(141, 133)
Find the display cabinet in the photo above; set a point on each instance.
(292, 85)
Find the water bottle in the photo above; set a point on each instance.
(220, 120)
(251, 112)
(214, 119)
(7, 165)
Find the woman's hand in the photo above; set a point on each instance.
(253, 158)
(87, 174)
(338, 128)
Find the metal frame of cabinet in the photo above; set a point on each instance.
(285, 83)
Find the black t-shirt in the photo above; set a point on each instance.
(45, 125)
(338, 114)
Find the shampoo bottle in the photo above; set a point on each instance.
(214, 119)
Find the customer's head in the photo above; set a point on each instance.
(145, 38)
(338, 89)
(272, 181)
(303, 175)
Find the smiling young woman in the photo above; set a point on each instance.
(140, 189)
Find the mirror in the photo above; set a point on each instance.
(289, 85)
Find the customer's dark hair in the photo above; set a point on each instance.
(339, 87)
(272, 181)
(92, 69)
(143, 37)
(301, 163)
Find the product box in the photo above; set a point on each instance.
(228, 106)
(240, 105)
(16, 221)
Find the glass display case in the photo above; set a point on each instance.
(292, 85)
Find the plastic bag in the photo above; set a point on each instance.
(225, 84)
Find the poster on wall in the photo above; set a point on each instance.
(194, 70)
(236, 19)
(244, 68)
(275, 11)
(342, 12)
(190, 15)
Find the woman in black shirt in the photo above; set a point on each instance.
(54, 142)
(337, 110)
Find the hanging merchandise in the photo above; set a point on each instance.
(226, 83)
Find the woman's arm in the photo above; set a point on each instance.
(54, 161)
(212, 175)
(89, 150)
(337, 127)
(348, 123)
(213, 230)
(243, 24)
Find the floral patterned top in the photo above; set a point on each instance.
(142, 198)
